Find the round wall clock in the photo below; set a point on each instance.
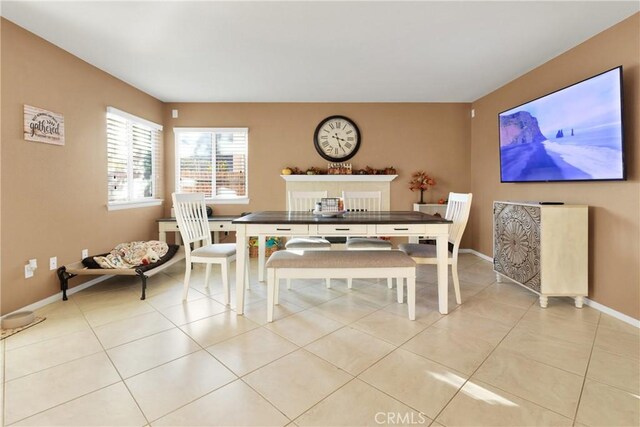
(337, 138)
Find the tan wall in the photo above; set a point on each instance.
(54, 198)
(614, 225)
(408, 136)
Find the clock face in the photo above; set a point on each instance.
(337, 138)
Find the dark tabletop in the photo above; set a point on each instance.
(392, 217)
(211, 218)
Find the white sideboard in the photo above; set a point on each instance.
(431, 208)
(542, 247)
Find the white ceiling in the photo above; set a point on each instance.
(318, 51)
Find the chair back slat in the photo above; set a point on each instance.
(191, 215)
(304, 200)
(362, 201)
(458, 210)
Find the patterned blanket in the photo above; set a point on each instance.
(133, 254)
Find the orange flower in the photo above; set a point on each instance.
(421, 181)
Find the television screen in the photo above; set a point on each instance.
(573, 134)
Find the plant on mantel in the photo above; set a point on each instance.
(292, 170)
(421, 181)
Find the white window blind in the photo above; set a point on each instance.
(134, 156)
(212, 161)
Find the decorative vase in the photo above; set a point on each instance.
(421, 197)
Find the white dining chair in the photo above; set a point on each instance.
(458, 210)
(191, 216)
(305, 201)
(365, 201)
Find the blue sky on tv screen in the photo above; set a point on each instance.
(586, 105)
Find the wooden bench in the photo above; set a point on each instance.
(341, 265)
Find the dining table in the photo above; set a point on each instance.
(350, 224)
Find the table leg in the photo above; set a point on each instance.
(242, 257)
(262, 251)
(442, 251)
(162, 236)
(216, 237)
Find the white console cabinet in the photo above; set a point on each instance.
(542, 247)
(431, 208)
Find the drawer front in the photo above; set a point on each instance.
(221, 226)
(399, 229)
(279, 230)
(342, 230)
(168, 226)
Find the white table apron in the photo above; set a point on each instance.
(439, 231)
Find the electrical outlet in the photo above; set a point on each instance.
(85, 253)
(53, 263)
(28, 271)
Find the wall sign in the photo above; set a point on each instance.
(43, 126)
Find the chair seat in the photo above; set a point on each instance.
(419, 251)
(215, 250)
(367, 243)
(308, 243)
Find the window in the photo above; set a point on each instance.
(134, 156)
(213, 161)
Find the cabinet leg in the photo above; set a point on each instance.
(543, 301)
(579, 302)
(498, 278)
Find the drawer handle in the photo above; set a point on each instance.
(283, 229)
(343, 229)
(221, 226)
(401, 229)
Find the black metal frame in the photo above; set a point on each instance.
(64, 277)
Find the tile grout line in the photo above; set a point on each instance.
(480, 365)
(85, 394)
(397, 347)
(586, 372)
(118, 372)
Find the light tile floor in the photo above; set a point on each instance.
(332, 357)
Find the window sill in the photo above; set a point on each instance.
(220, 201)
(133, 205)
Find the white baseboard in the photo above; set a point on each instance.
(58, 296)
(602, 308)
(476, 253)
(613, 313)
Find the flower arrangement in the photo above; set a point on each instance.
(421, 181)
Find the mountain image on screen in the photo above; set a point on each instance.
(572, 134)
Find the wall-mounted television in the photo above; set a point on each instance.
(573, 134)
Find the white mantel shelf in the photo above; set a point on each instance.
(339, 178)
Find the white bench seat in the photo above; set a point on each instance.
(341, 265)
